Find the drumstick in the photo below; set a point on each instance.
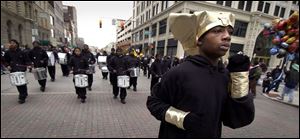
(22, 65)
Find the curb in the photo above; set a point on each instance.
(294, 105)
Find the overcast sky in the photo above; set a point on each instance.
(90, 12)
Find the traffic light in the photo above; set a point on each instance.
(100, 24)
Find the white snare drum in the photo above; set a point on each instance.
(134, 72)
(18, 78)
(81, 80)
(104, 69)
(91, 69)
(51, 61)
(123, 81)
(40, 73)
(102, 59)
(62, 58)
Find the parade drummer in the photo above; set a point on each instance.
(51, 68)
(194, 98)
(117, 67)
(91, 59)
(79, 65)
(39, 58)
(16, 61)
(133, 62)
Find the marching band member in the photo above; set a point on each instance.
(79, 65)
(194, 98)
(91, 59)
(39, 58)
(15, 59)
(118, 66)
(51, 68)
(133, 63)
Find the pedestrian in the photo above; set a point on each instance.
(64, 66)
(156, 71)
(192, 100)
(79, 65)
(254, 75)
(175, 62)
(39, 58)
(276, 74)
(291, 82)
(150, 62)
(16, 61)
(26, 51)
(103, 65)
(53, 58)
(267, 82)
(112, 54)
(118, 67)
(91, 59)
(145, 62)
(133, 63)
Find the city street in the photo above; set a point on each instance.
(58, 113)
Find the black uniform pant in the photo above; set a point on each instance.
(145, 68)
(90, 80)
(154, 80)
(42, 82)
(22, 92)
(104, 74)
(65, 70)
(116, 89)
(133, 81)
(51, 71)
(80, 91)
(111, 78)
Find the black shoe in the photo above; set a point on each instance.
(78, 97)
(21, 101)
(52, 80)
(90, 88)
(134, 89)
(115, 97)
(42, 89)
(123, 101)
(128, 87)
(82, 100)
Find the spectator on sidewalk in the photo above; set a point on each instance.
(275, 74)
(254, 75)
(291, 81)
(267, 82)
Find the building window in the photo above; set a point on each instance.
(248, 6)
(267, 7)
(294, 2)
(276, 10)
(167, 4)
(9, 29)
(153, 11)
(153, 30)
(51, 20)
(141, 35)
(162, 5)
(160, 47)
(156, 9)
(291, 12)
(146, 33)
(191, 12)
(241, 5)
(282, 12)
(228, 3)
(20, 29)
(220, 2)
(260, 6)
(52, 33)
(162, 26)
(240, 28)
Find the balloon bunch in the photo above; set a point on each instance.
(285, 36)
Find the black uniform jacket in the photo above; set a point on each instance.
(201, 88)
(79, 64)
(133, 62)
(156, 68)
(17, 60)
(118, 63)
(39, 57)
(89, 56)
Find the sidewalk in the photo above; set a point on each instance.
(276, 95)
